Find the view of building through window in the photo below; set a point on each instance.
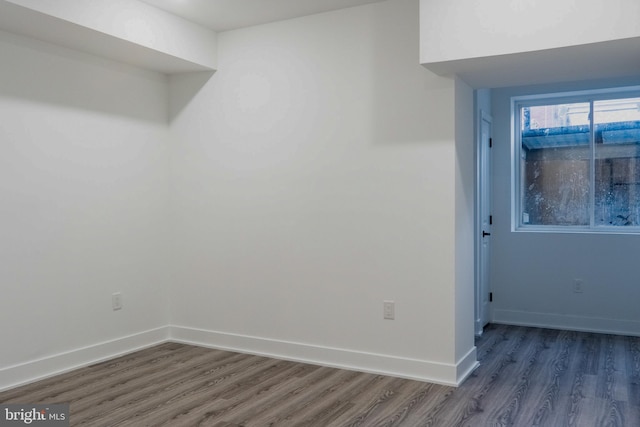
(580, 163)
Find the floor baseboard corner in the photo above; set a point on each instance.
(45, 367)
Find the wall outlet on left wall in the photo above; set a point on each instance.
(389, 310)
(116, 301)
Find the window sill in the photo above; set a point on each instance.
(576, 230)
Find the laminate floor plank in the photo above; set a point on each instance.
(504, 398)
(138, 396)
(633, 369)
(254, 404)
(259, 391)
(210, 411)
(307, 394)
(393, 402)
(368, 403)
(416, 407)
(94, 374)
(337, 401)
(191, 394)
(119, 390)
(548, 383)
(488, 383)
(580, 384)
(129, 401)
(527, 377)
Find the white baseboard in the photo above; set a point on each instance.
(466, 365)
(35, 370)
(422, 370)
(572, 323)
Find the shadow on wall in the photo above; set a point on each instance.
(41, 72)
(183, 88)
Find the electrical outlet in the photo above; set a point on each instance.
(389, 310)
(578, 286)
(116, 301)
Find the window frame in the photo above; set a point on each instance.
(583, 96)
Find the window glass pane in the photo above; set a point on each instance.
(617, 162)
(555, 162)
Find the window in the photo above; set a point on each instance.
(577, 161)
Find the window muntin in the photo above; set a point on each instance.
(578, 162)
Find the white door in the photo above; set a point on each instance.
(483, 287)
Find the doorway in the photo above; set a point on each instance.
(484, 222)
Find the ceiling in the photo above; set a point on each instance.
(223, 15)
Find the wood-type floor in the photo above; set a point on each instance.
(527, 377)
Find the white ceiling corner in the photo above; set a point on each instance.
(223, 15)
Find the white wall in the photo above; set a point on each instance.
(465, 222)
(315, 176)
(472, 29)
(318, 173)
(83, 196)
(483, 101)
(532, 273)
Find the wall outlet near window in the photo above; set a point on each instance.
(578, 286)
